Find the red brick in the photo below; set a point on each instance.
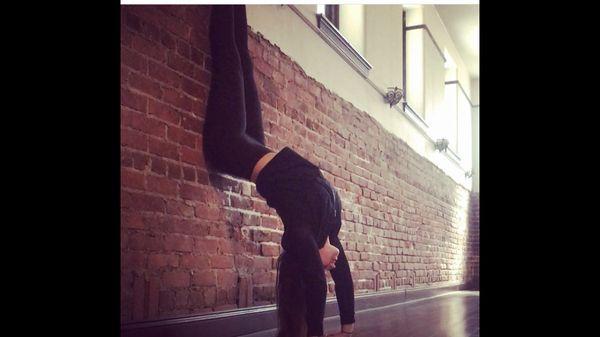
(183, 49)
(208, 213)
(269, 249)
(177, 99)
(180, 64)
(134, 260)
(149, 48)
(174, 171)
(167, 39)
(132, 220)
(270, 222)
(142, 202)
(176, 26)
(143, 241)
(163, 149)
(134, 60)
(132, 179)
(176, 279)
(153, 297)
(199, 39)
(163, 112)
(179, 243)
(201, 174)
(191, 192)
(204, 278)
(262, 263)
(226, 278)
(133, 100)
(181, 136)
(264, 277)
(262, 66)
(207, 246)
(221, 261)
(228, 247)
(133, 22)
(164, 74)
(192, 124)
(161, 185)
(142, 123)
(272, 59)
(157, 261)
(189, 173)
(287, 70)
(176, 11)
(194, 89)
(145, 85)
(254, 47)
(139, 161)
(181, 299)
(139, 287)
(166, 301)
(151, 31)
(196, 262)
(197, 56)
(270, 86)
(192, 156)
(179, 208)
(159, 166)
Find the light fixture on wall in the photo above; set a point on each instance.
(441, 144)
(394, 96)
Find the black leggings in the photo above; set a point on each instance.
(233, 137)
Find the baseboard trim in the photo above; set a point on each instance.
(261, 321)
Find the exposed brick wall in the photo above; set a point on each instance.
(472, 274)
(195, 241)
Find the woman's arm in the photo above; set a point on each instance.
(344, 288)
(299, 241)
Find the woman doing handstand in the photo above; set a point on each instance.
(309, 206)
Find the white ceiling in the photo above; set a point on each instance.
(462, 23)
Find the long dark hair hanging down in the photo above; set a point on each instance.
(291, 305)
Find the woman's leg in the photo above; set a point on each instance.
(254, 123)
(226, 145)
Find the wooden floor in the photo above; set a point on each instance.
(430, 313)
(452, 315)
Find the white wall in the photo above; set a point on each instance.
(475, 91)
(436, 26)
(382, 48)
(352, 26)
(383, 44)
(475, 114)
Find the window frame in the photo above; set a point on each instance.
(341, 44)
(332, 13)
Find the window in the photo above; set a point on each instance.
(332, 20)
(424, 74)
(332, 12)
(458, 111)
(433, 93)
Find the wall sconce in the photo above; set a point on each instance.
(394, 96)
(442, 144)
(469, 174)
